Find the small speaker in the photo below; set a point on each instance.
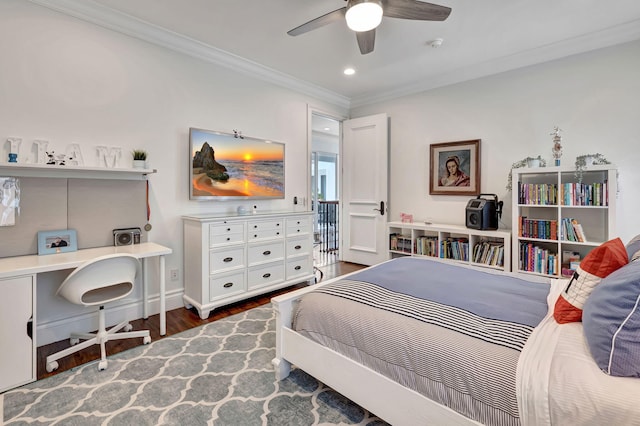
(482, 213)
(126, 236)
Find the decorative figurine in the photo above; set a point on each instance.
(557, 144)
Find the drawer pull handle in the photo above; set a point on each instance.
(227, 259)
(255, 226)
(266, 252)
(267, 275)
(297, 268)
(228, 229)
(277, 233)
(228, 239)
(277, 224)
(298, 247)
(227, 285)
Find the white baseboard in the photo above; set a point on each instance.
(54, 331)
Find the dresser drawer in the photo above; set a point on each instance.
(271, 273)
(224, 259)
(226, 285)
(225, 233)
(255, 235)
(261, 225)
(299, 267)
(298, 246)
(267, 252)
(298, 225)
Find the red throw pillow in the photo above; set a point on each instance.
(600, 262)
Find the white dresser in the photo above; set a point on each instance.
(230, 258)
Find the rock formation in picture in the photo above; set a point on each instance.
(206, 160)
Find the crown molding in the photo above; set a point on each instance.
(608, 37)
(106, 17)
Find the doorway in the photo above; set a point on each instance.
(325, 188)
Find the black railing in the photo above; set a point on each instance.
(327, 226)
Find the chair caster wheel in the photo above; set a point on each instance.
(146, 340)
(74, 341)
(102, 365)
(128, 327)
(51, 366)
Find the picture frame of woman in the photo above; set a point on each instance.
(454, 168)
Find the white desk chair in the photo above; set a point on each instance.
(97, 282)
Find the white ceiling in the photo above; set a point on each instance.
(481, 37)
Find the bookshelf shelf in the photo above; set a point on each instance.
(556, 218)
(454, 243)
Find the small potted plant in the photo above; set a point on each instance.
(139, 158)
(525, 162)
(582, 161)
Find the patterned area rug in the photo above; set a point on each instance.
(216, 374)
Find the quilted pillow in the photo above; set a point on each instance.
(600, 262)
(633, 248)
(612, 322)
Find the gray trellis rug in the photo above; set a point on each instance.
(216, 374)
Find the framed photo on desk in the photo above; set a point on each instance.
(63, 241)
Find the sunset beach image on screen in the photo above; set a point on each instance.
(226, 165)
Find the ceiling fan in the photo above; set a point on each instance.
(363, 16)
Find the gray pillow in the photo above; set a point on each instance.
(611, 320)
(633, 248)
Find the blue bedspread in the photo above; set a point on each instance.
(501, 297)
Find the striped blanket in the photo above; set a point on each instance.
(499, 309)
(453, 355)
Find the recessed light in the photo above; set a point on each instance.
(349, 71)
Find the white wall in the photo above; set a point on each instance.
(68, 81)
(594, 97)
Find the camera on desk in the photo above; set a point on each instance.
(126, 236)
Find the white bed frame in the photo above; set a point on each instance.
(377, 393)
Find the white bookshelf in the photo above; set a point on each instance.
(444, 238)
(534, 209)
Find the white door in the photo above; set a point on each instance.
(364, 190)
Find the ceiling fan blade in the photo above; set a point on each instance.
(326, 19)
(366, 41)
(414, 9)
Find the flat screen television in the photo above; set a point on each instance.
(230, 166)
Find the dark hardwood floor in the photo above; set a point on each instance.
(178, 320)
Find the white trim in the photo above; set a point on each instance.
(106, 17)
(597, 40)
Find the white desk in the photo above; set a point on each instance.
(34, 264)
(18, 279)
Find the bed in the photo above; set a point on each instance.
(366, 335)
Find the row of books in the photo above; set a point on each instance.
(569, 194)
(572, 230)
(543, 229)
(538, 193)
(581, 194)
(454, 248)
(547, 229)
(489, 253)
(537, 259)
(399, 242)
(427, 245)
(485, 252)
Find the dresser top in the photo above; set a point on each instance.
(203, 217)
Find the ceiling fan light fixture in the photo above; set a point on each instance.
(363, 15)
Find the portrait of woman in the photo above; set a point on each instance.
(454, 176)
(454, 168)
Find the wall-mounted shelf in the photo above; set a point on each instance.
(72, 172)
